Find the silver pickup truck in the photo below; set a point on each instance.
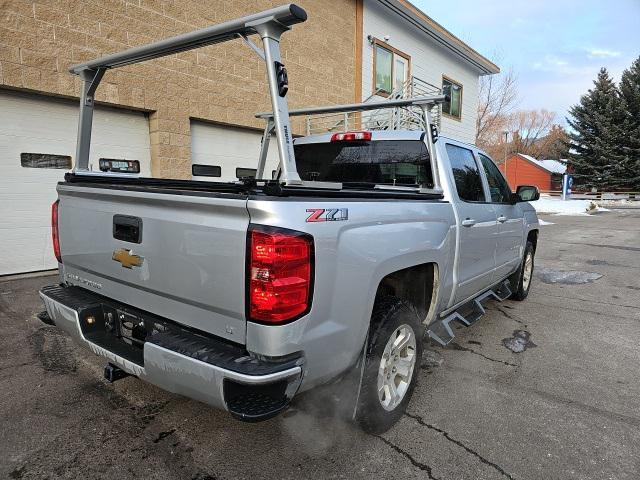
(243, 294)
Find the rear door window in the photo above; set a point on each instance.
(381, 162)
(466, 173)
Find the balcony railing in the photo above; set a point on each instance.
(384, 118)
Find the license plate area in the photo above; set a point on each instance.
(129, 327)
(122, 331)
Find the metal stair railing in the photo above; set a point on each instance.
(384, 118)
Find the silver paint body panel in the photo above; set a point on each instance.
(193, 249)
(194, 269)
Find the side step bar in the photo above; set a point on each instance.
(467, 314)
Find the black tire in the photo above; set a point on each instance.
(519, 286)
(389, 316)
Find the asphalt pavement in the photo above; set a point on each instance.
(566, 406)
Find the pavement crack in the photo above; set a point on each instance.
(17, 365)
(509, 316)
(615, 247)
(446, 435)
(575, 309)
(164, 435)
(457, 346)
(597, 302)
(422, 466)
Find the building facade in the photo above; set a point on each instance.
(192, 109)
(520, 169)
(163, 113)
(404, 49)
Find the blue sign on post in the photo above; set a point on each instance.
(567, 183)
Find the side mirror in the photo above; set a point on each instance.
(527, 193)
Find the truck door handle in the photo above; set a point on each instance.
(502, 219)
(469, 222)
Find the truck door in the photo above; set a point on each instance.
(510, 221)
(477, 227)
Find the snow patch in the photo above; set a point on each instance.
(543, 222)
(617, 203)
(564, 207)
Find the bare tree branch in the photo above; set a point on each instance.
(498, 95)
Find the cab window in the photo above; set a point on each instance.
(498, 186)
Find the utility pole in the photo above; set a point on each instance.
(506, 139)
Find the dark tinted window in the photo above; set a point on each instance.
(465, 173)
(245, 172)
(453, 106)
(498, 187)
(391, 162)
(45, 160)
(206, 170)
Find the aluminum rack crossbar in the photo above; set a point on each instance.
(269, 25)
(362, 107)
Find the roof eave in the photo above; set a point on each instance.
(441, 35)
(536, 164)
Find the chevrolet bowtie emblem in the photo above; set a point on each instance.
(126, 258)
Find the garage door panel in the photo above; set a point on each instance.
(34, 124)
(29, 250)
(229, 148)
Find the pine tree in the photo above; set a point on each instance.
(630, 93)
(597, 123)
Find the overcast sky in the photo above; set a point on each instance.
(555, 47)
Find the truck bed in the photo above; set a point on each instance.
(192, 244)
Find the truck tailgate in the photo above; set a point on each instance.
(191, 265)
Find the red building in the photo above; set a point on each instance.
(520, 169)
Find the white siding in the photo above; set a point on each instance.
(429, 62)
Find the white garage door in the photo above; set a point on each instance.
(32, 124)
(234, 151)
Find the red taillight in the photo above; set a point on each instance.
(54, 230)
(280, 274)
(351, 136)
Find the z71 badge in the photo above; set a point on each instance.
(327, 214)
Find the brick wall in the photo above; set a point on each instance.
(221, 83)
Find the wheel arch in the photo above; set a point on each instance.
(532, 236)
(417, 285)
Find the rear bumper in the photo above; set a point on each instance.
(178, 360)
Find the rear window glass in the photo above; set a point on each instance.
(382, 162)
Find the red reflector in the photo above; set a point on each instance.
(280, 274)
(351, 136)
(54, 230)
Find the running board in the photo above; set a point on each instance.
(441, 330)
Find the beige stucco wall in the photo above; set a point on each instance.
(221, 83)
